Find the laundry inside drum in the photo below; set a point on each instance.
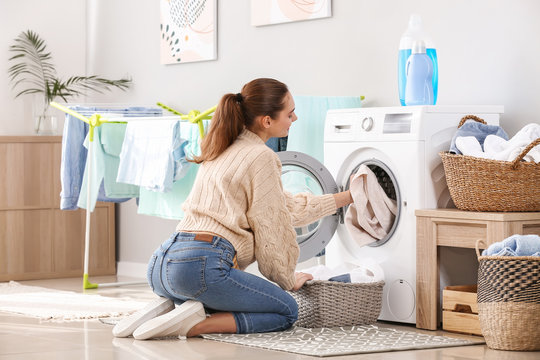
(388, 183)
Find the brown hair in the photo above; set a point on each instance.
(259, 97)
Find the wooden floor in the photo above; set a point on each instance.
(28, 338)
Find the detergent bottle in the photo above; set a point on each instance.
(415, 32)
(419, 74)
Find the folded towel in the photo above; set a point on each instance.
(515, 245)
(478, 130)
(497, 148)
(372, 214)
(508, 150)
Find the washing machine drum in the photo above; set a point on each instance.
(302, 173)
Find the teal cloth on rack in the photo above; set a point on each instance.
(306, 135)
(107, 144)
(168, 205)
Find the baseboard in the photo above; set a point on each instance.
(131, 269)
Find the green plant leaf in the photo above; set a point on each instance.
(35, 73)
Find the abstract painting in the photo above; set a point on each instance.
(267, 12)
(188, 31)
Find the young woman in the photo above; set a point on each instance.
(237, 213)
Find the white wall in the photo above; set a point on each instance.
(487, 55)
(62, 24)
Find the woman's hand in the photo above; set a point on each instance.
(301, 279)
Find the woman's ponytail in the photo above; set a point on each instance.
(262, 96)
(227, 123)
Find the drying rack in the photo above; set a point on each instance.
(95, 120)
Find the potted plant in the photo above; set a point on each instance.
(34, 73)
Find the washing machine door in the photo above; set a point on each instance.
(302, 173)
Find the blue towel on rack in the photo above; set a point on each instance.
(307, 133)
(74, 153)
(515, 245)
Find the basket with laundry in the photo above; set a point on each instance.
(509, 293)
(344, 296)
(487, 171)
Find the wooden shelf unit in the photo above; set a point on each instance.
(456, 228)
(37, 239)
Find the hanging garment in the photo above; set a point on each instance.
(307, 133)
(152, 155)
(168, 205)
(107, 143)
(277, 144)
(74, 153)
(372, 213)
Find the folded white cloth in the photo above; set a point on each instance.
(372, 214)
(497, 148)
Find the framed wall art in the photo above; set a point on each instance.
(267, 12)
(188, 31)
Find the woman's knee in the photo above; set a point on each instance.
(292, 315)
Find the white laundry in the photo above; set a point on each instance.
(367, 272)
(147, 156)
(497, 148)
(372, 213)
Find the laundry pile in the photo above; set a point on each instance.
(515, 245)
(368, 272)
(492, 142)
(372, 213)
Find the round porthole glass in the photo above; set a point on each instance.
(302, 173)
(296, 180)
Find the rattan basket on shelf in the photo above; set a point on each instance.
(509, 301)
(331, 303)
(477, 184)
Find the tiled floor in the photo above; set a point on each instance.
(28, 338)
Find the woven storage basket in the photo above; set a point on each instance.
(478, 184)
(509, 301)
(332, 303)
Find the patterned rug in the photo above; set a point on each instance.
(342, 341)
(57, 305)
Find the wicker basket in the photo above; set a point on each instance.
(478, 184)
(332, 303)
(509, 301)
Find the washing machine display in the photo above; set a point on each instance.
(400, 146)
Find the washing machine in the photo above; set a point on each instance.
(400, 145)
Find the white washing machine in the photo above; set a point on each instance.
(400, 145)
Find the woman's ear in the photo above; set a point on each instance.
(266, 121)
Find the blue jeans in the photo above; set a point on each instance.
(186, 269)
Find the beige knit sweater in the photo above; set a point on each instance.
(239, 196)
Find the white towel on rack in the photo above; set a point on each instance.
(148, 153)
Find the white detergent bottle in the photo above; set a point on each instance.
(419, 72)
(415, 32)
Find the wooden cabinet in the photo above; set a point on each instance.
(37, 239)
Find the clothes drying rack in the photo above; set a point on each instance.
(95, 120)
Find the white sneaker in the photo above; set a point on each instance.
(153, 309)
(174, 323)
